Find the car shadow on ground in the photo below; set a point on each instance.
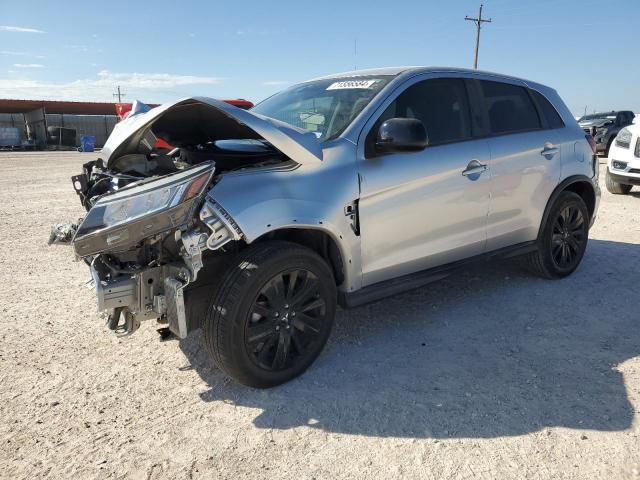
(490, 352)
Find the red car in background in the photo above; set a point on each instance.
(123, 110)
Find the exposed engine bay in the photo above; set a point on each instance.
(149, 220)
(197, 132)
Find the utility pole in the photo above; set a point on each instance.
(478, 21)
(355, 53)
(119, 95)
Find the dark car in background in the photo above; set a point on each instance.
(604, 127)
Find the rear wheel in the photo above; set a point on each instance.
(272, 314)
(615, 187)
(563, 239)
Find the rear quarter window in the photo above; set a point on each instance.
(509, 107)
(548, 111)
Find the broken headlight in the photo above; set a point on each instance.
(118, 221)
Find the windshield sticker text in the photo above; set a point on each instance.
(351, 84)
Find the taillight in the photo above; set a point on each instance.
(592, 142)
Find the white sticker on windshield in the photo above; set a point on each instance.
(351, 84)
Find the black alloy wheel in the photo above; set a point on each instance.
(569, 236)
(563, 238)
(271, 313)
(285, 321)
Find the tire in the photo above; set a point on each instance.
(615, 187)
(271, 314)
(549, 260)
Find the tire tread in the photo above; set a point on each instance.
(536, 262)
(228, 293)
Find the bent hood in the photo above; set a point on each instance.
(198, 120)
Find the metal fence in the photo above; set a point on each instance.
(100, 126)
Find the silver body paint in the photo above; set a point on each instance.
(416, 209)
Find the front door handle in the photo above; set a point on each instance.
(474, 168)
(549, 150)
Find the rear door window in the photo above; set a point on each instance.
(510, 108)
(548, 111)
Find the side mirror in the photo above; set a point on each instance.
(401, 135)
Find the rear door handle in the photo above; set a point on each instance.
(549, 150)
(474, 168)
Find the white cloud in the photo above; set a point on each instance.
(154, 80)
(7, 28)
(151, 87)
(28, 65)
(275, 83)
(12, 53)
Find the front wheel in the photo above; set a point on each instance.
(272, 314)
(563, 239)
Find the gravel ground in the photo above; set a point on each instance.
(489, 374)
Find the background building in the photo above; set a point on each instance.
(32, 118)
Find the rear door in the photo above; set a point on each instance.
(423, 209)
(525, 161)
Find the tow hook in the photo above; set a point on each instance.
(127, 326)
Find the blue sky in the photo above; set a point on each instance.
(162, 50)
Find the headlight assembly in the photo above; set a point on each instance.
(124, 218)
(623, 139)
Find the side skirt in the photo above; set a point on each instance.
(411, 281)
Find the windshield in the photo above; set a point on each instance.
(598, 116)
(324, 107)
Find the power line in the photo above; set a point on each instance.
(478, 21)
(119, 95)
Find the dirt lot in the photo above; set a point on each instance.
(490, 374)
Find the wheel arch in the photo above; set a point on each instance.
(579, 184)
(321, 241)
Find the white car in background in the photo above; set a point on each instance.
(623, 165)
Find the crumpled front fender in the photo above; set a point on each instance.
(261, 202)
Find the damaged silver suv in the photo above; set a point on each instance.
(339, 190)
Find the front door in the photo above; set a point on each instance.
(424, 209)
